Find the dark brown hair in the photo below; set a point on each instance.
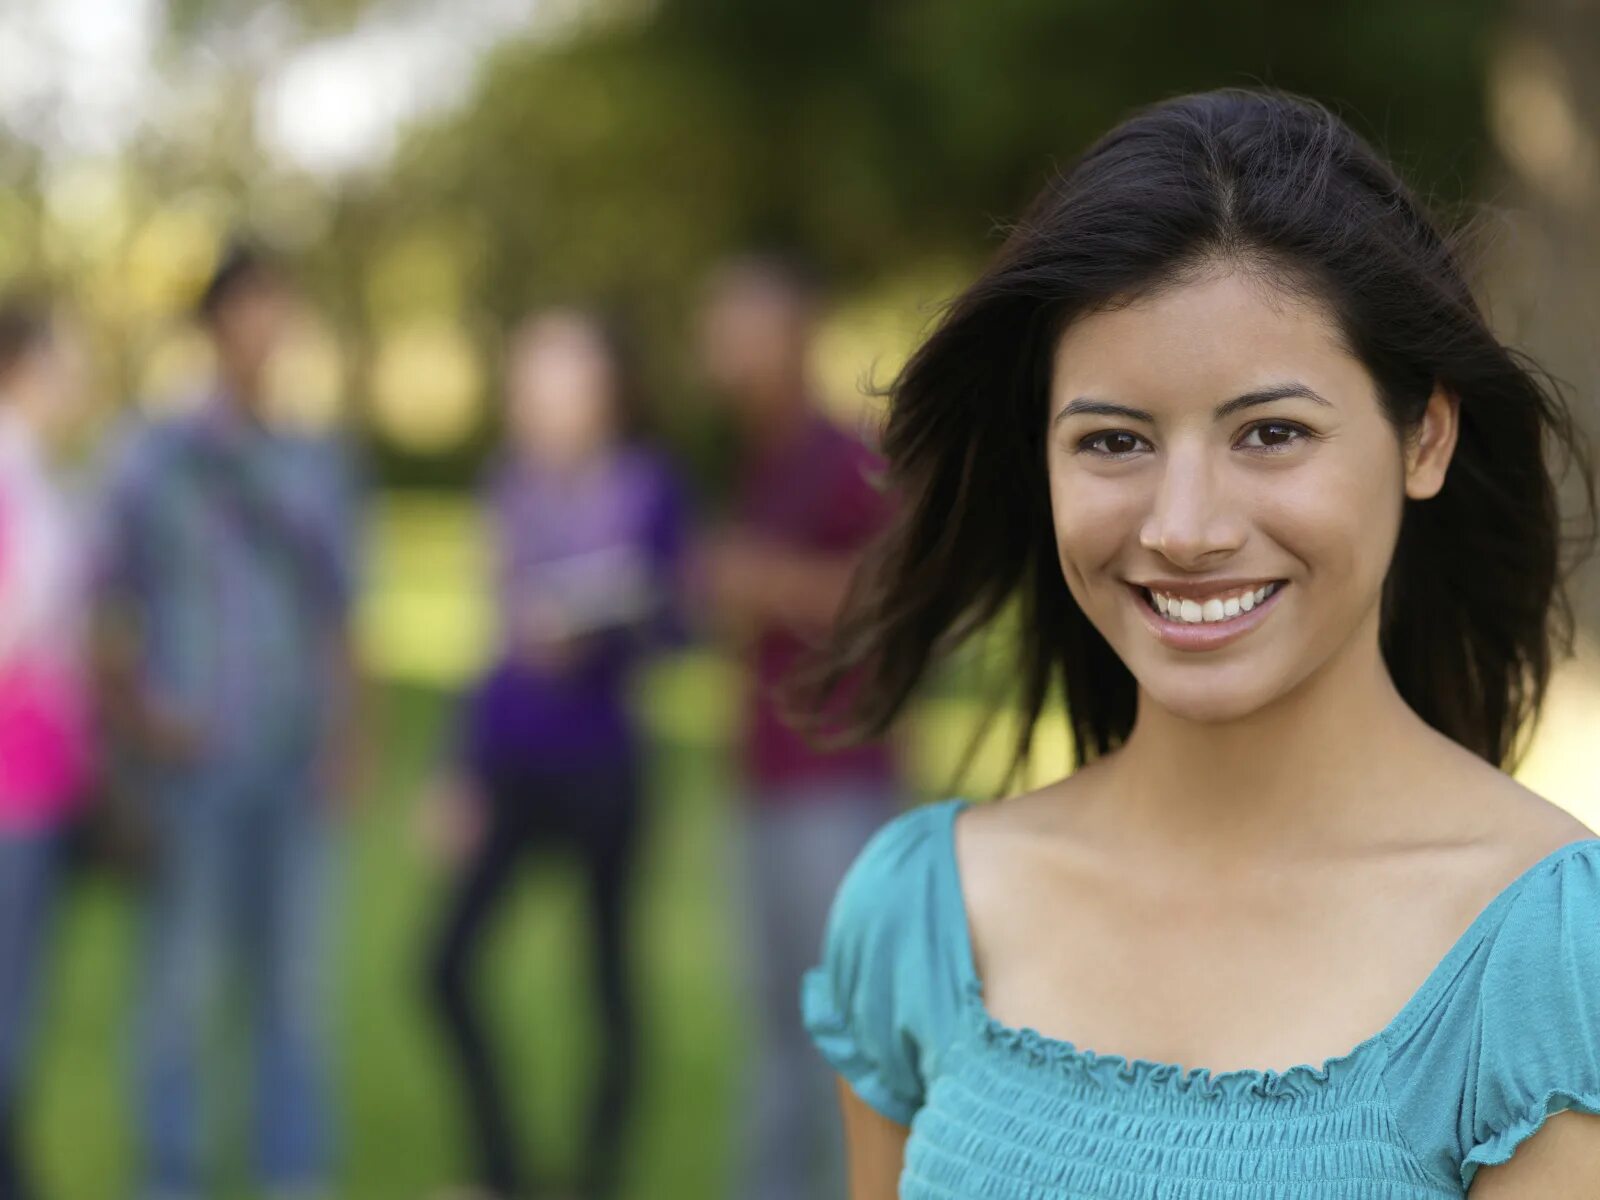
(243, 265)
(26, 325)
(1278, 185)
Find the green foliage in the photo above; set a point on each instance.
(617, 162)
(187, 17)
(877, 134)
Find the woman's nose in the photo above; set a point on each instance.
(1191, 518)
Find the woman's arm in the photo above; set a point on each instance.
(24, 603)
(876, 1147)
(1562, 1159)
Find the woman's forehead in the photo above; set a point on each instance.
(1186, 344)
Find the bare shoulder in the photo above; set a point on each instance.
(1520, 815)
(1000, 845)
(989, 833)
(1514, 824)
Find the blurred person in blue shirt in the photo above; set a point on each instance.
(225, 580)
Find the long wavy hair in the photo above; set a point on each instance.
(1269, 182)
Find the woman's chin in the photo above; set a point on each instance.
(1207, 702)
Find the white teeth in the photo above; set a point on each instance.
(1216, 608)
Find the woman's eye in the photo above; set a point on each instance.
(1275, 435)
(1116, 443)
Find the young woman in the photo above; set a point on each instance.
(45, 745)
(1225, 420)
(589, 531)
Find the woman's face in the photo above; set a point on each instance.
(560, 391)
(54, 375)
(1206, 443)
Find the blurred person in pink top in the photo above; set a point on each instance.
(44, 728)
(804, 508)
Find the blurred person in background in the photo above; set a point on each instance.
(45, 743)
(228, 573)
(806, 506)
(588, 525)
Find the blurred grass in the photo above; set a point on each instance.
(397, 1100)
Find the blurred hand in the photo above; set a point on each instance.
(165, 735)
(346, 772)
(728, 571)
(450, 820)
(347, 768)
(751, 582)
(545, 639)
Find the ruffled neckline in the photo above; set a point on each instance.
(1238, 1083)
(1118, 1071)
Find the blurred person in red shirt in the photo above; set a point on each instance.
(45, 744)
(805, 507)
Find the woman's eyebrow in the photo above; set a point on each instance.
(1266, 395)
(1086, 406)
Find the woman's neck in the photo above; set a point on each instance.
(1321, 765)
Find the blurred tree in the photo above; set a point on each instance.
(190, 18)
(877, 133)
(618, 159)
(1543, 251)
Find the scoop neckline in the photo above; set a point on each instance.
(1259, 1080)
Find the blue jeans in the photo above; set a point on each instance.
(28, 868)
(795, 849)
(27, 881)
(242, 859)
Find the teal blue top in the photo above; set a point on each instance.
(1504, 1032)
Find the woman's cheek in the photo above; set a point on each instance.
(1094, 525)
(1338, 526)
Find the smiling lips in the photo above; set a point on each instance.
(1203, 616)
(1193, 610)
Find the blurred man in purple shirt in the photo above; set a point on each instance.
(805, 507)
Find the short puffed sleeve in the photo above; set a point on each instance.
(1539, 1041)
(882, 1002)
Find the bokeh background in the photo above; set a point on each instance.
(434, 169)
